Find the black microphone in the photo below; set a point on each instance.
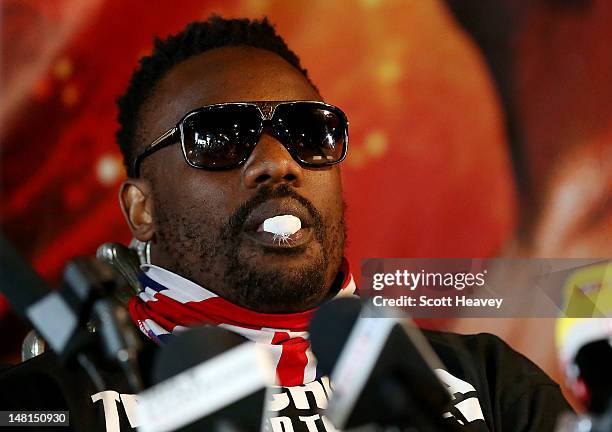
(62, 317)
(19, 283)
(207, 379)
(381, 369)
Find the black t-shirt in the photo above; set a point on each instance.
(494, 388)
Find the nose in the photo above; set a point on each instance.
(271, 163)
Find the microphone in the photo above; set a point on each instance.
(381, 369)
(19, 283)
(207, 379)
(585, 345)
(62, 317)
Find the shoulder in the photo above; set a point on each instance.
(34, 384)
(44, 364)
(45, 384)
(514, 392)
(490, 354)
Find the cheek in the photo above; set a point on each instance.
(328, 193)
(194, 198)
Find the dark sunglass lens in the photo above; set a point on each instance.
(221, 136)
(315, 133)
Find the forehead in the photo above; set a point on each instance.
(228, 74)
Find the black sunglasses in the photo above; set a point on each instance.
(223, 136)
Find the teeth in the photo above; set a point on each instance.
(282, 225)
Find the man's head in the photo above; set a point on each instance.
(203, 224)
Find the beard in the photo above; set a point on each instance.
(219, 261)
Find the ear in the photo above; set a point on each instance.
(136, 203)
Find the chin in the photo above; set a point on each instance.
(279, 283)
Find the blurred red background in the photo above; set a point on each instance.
(477, 128)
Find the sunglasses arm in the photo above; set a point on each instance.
(169, 137)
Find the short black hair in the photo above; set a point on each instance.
(194, 39)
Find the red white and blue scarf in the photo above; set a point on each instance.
(170, 303)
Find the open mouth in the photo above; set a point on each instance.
(280, 224)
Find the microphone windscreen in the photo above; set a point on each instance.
(207, 379)
(330, 328)
(381, 375)
(21, 285)
(190, 348)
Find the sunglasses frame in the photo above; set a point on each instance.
(267, 109)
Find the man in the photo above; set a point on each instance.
(234, 183)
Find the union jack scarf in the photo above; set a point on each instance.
(170, 303)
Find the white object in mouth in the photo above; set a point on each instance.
(283, 225)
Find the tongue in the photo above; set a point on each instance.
(282, 225)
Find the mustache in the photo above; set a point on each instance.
(238, 218)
